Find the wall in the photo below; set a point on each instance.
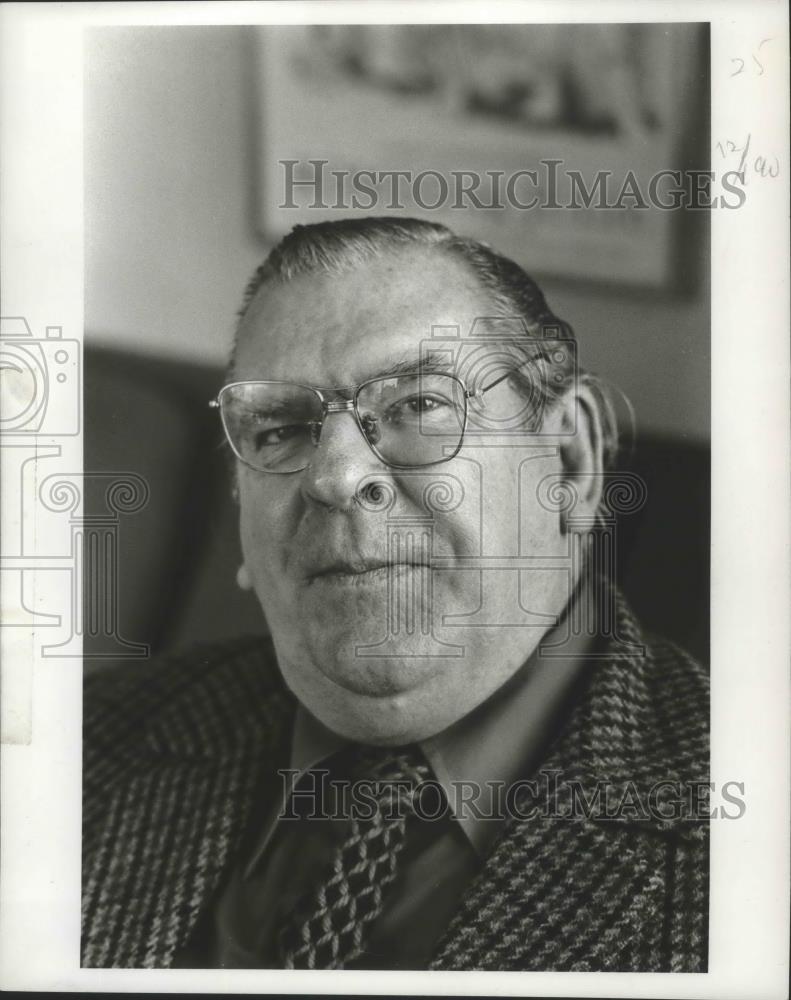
(169, 245)
(170, 239)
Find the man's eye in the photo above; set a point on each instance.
(279, 435)
(416, 406)
(425, 404)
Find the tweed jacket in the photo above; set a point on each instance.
(176, 750)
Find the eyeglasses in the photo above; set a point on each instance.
(408, 421)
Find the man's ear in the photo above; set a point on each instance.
(581, 452)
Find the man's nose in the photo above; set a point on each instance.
(342, 464)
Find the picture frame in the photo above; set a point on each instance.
(490, 129)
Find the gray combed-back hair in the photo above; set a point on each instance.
(340, 246)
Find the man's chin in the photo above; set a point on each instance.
(381, 719)
(358, 655)
(379, 676)
(369, 699)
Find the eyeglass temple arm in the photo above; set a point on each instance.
(502, 378)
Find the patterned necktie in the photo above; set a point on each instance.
(329, 925)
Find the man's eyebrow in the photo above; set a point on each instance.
(431, 361)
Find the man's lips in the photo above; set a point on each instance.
(360, 567)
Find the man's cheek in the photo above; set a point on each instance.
(260, 554)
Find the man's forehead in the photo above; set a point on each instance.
(355, 325)
(405, 363)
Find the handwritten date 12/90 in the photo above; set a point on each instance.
(757, 165)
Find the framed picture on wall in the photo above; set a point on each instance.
(557, 142)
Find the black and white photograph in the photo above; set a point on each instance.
(500, 696)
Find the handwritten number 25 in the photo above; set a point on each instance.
(755, 59)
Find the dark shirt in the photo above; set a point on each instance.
(501, 741)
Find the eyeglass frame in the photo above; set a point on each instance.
(350, 405)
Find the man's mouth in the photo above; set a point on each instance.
(361, 570)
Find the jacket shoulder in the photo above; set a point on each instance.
(678, 692)
(135, 700)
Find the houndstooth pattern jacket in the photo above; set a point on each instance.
(175, 751)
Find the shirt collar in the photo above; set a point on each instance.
(311, 741)
(503, 739)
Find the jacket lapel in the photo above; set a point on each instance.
(566, 890)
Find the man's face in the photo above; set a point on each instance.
(378, 646)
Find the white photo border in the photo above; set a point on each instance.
(42, 272)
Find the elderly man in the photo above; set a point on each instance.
(458, 750)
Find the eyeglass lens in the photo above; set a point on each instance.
(407, 420)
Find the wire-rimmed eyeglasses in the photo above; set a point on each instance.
(408, 421)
